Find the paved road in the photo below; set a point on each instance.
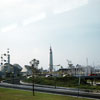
(59, 90)
(47, 86)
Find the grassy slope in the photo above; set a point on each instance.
(63, 82)
(10, 94)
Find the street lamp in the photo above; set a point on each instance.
(34, 63)
(79, 80)
(55, 75)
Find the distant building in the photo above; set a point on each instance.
(9, 69)
(1, 75)
(78, 70)
(28, 70)
(97, 71)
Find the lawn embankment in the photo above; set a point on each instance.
(11, 94)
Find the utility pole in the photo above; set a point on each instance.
(87, 61)
(79, 80)
(33, 73)
(56, 76)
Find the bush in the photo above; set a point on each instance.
(59, 81)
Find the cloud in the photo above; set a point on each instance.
(25, 12)
(34, 19)
(9, 28)
(67, 5)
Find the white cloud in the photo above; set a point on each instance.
(67, 5)
(9, 3)
(34, 19)
(15, 11)
(9, 28)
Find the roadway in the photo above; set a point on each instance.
(50, 89)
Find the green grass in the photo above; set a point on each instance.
(11, 94)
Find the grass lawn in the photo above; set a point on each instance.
(11, 94)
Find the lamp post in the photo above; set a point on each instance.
(34, 63)
(56, 76)
(79, 80)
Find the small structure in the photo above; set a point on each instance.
(29, 70)
(9, 69)
(6, 68)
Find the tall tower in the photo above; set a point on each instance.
(51, 60)
(8, 56)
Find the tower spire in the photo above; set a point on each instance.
(51, 60)
(8, 54)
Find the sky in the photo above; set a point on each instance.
(71, 27)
